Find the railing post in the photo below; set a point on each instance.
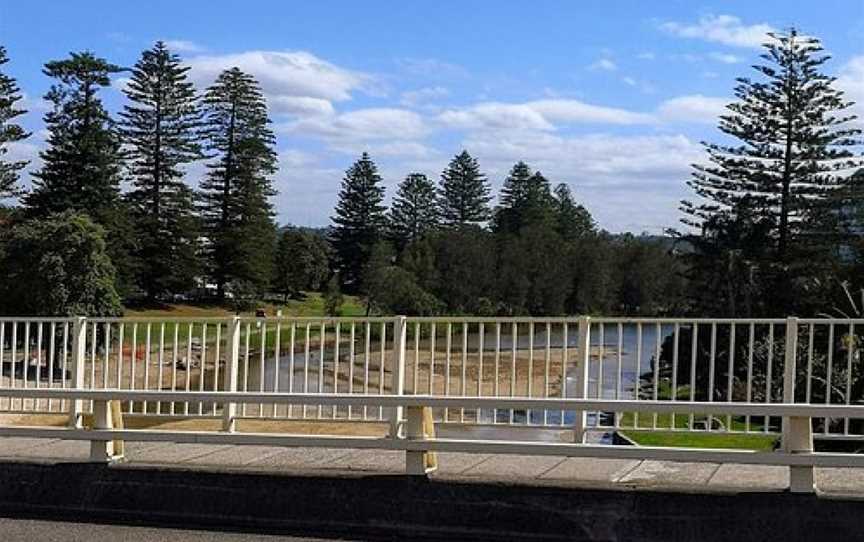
(101, 451)
(581, 391)
(797, 431)
(79, 359)
(229, 409)
(397, 384)
(419, 425)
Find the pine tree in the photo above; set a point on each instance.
(81, 166)
(574, 220)
(235, 195)
(791, 162)
(526, 198)
(9, 132)
(414, 212)
(159, 127)
(464, 193)
(359, 221)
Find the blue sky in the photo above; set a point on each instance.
(610, 97)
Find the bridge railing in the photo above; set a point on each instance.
(682, 360)
(410, 435)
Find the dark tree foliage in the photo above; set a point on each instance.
(333, 297)
(359, 221)
(413, 212)
(235, 195)
(775, 196)
(57, 266)
(464, 192)
(81, 166)
(526, 198)
(9, 132)
(159, 126)
(302, 262)
(573, 220)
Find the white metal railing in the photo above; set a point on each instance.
(409, 435)
(682, 360)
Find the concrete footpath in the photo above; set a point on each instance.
(364, 494)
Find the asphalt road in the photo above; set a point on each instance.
(28, 530)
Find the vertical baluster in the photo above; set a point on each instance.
(381, 367)
(174, 357)
(39, 359)
(216, 360)
(93, 330)
(618, 372)
(52, 358)
(676, 335)
(306, 366)
(4, 400)
(449, 345)
(513, 345)
(480, 346)
(638, 370)
(464, 390)
(750, 348)
(277, 355)
(414, 390)
(694, 351)
(658, 334)
(263, 361)
(120, 338)
(323, 332)
(291, 366)
(147, 348)
(161, 358)
(809, 384)
(336, 365)
(601, 361)
(547, 361)
(367, 348)
(26, 361)
(829, 387)
(530, 386)
(850, 349)
(497, 368)
(351, 365)
(565, 361)
(64, 406)
(711, 370)
(12, 372)
(188, 383)
(769, 376)
(133, 361)
(432, 337)
(730, 372)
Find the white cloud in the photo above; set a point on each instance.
(291, 80)
(646, 55)
(412, 98)
(301, 106)
(693, 108)
(851, 80)
(372, 124)
(603, 64)
(725, 29)
(627, 80)
(725, 58)
(184, 46)
(538, 115)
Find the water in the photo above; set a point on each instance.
(629, 370)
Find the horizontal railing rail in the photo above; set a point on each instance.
(409, 434)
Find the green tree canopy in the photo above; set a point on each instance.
(10, 132)
(789, 165)
(302, 262)
(414, 212)
(359, 221)
(159, 126)
(464, 192)
(235, 195)
(57, 266)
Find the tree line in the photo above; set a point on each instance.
(774, 228)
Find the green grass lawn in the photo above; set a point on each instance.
(312, 305)
(702, 440)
